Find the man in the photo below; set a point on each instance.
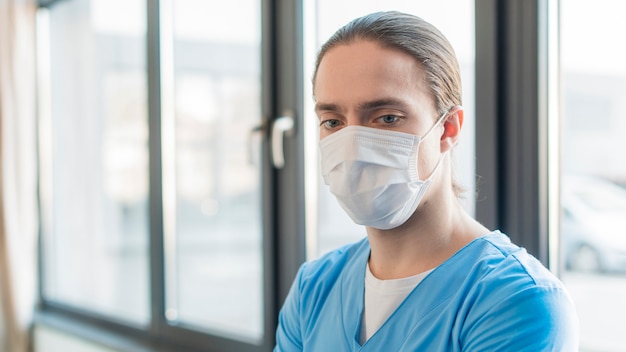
(428, 277)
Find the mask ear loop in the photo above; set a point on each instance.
(436, 166)
(439, 120)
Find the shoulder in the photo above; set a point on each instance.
(511, 291)
(503, 261)
(491, 269)
(502, 270)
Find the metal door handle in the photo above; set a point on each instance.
(283, 126)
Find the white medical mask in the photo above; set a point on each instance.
(373, 173)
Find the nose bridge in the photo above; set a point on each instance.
(354, 118)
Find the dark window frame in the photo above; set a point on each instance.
(512, 163)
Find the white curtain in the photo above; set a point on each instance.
(18, 201)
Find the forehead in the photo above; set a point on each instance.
(365, 71)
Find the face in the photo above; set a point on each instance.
(365, 84)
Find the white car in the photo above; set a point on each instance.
(593, 225)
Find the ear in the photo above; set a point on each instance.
(452, 128)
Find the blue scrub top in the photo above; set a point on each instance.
(489, 296)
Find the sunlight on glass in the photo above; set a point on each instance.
(118, 17)
(214, 261)
(217, 21)
(95, 247)
(593, 185)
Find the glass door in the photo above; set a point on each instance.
(211, 102)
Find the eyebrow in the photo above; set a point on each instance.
(365, 106)
(326, 107)
(381, 103)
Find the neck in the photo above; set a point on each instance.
(436, 231)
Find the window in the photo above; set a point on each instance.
(211, 189)
(154, 173)
(94, 160)
(593, 180)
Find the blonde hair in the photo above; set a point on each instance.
(414, 36)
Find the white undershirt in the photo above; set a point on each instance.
(382, 298)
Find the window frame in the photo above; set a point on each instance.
(281, 80)
(514, 162)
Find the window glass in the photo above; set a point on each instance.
(328, 225)
(94, 161)
(213, 234)
(593, 184)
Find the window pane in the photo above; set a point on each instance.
(94, 170)
(213, 235)
(333, 227)
(593, 185)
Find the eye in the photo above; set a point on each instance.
(330, 123)
(388, 119)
